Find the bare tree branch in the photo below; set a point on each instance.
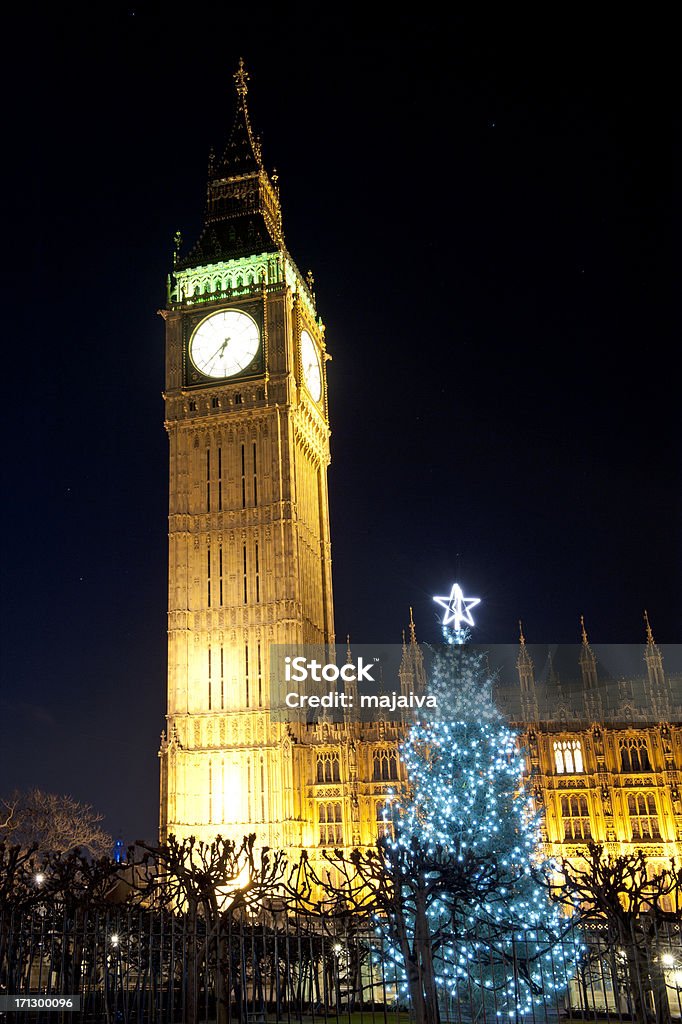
(50, 823)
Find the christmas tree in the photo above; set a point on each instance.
(494, 936)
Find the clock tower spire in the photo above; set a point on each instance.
(243, 214)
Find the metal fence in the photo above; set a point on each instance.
(141, 965)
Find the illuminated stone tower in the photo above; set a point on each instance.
(249, 549)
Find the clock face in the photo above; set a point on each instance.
(224, 344)
(312, 375)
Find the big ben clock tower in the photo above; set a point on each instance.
(249, 547)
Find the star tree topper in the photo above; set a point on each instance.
(457, 607)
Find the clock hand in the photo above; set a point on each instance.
(220, 349)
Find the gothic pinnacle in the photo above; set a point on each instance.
(649, 632)
(413, 631)
(241, 77)
(583, 631)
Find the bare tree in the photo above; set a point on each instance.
(629, 902)
(46, 822)
(217, 885)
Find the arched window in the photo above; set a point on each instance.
(331, 824)
(643, 816)
(328, 769)
(576, 817)
(385, 766)
(634, 754)
(384, 820)
(568, 757)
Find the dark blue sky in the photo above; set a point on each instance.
(486, 208)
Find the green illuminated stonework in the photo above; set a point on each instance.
(239, 278)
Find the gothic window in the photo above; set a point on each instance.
(568, 757)
(385, 766)
(328, 768)
(215, 403)
(576, 816)
(634, 755)
(238, 398)
(331, 824)
(192, 405)
(643, 816)
(384, 822)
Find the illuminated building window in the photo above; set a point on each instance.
(643, 816)
(634, 755)
(576, 817)
(220, 480)
(385, 765)
(328, 769)
(384, 822)
(331, 824)
(568, 757)
(255, 476)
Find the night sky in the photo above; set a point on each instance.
(485, 206)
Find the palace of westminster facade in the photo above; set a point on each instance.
(250, 566)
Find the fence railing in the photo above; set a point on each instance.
(148, 965)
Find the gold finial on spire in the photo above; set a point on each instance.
(583, 631)
(522, 639)
(413, 631)
(349, 656)
(649, 633)
(241, 77)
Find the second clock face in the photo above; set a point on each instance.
(224, 344)
(310, 361)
